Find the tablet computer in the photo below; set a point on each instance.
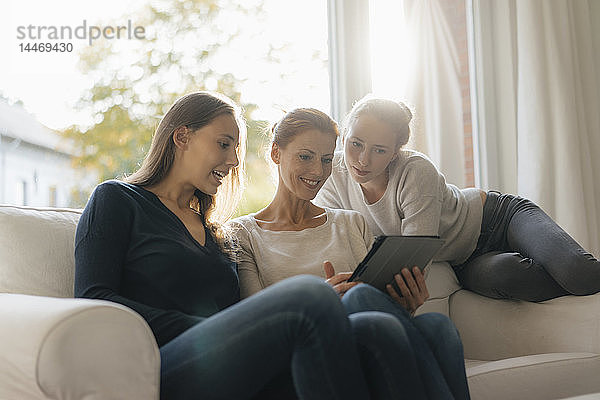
(389, 254)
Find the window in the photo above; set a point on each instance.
(269, 55)
(393, 47)
(21, 193)
(52, 196)
(390, 48)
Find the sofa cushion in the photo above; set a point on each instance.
(496, 329)
(36, 250)
(441, 280)
(540, 376)
(441, 283)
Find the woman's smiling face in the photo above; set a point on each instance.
(369, 146)
(305, 162)
(211, 153)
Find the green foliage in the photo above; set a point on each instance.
(135, 86)
(114, 146)
(78, 197)
(260, 186)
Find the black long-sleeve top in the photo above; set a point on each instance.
(131, 249)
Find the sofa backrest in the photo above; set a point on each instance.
(36, 250)
(37, 246)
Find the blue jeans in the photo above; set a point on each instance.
(298, 323)
(386, 356)
(433, 337)
(523, 254)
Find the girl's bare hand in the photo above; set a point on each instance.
(339, 282)
(413, 290)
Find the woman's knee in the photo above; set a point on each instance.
(498, 274)
(360, 298)
(438, 324)
(508, 270)
(311, 294)
(373, 328)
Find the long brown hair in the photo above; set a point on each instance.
(194, 111)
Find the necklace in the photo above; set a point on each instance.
(196, 211)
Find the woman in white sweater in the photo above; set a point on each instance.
(499, 245)
(293, 236)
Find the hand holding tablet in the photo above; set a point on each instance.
(409, 289)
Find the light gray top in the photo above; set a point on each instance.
(417, 201)
(266, 257)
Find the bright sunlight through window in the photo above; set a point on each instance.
(391, 46)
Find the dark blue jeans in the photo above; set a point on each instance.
(387, 359)
(298, 323)
(291, 340)
(433, 338)
(523, 254)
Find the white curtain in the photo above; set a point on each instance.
(433, 90)
(537, 73)
(349, 54)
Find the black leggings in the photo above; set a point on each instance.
(523, 254)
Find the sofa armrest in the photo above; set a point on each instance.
(496, 329)
(74, 349)
(441, 282)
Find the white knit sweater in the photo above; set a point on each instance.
(417, 201)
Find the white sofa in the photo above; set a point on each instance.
(55, 347)
(521, 350)
(51, 345)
